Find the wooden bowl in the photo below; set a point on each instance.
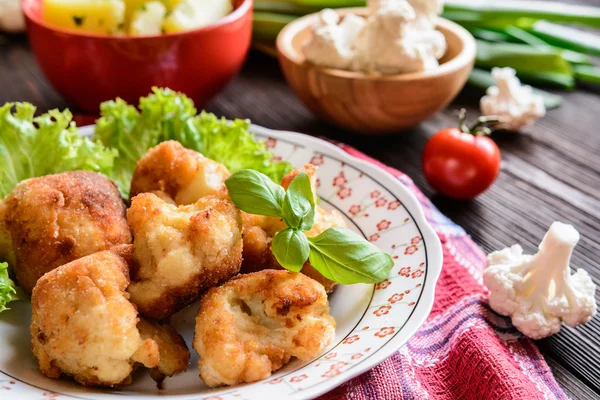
(371, 103)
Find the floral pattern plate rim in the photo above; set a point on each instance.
(373, 321)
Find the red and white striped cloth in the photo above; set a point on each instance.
(464, 350)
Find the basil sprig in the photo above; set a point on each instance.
(337, 253)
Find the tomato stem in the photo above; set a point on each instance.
(482, 125)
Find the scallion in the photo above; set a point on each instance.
(266, 26)
(587, 74)
(567, 37)
(515, 10)
(527, 38)
(539, 65)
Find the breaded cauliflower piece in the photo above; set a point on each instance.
(84, 326)
(173, 352)
(253, 324)
(55, 219)
(6, 250)
(260, 230)
(180, 251)
(185, 175)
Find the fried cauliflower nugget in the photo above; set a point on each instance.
(260, 230)
(173, 352)
(84, 326)
(52, 220)
(6, 250)
(180, 251)
(185, 175)
(253, 324)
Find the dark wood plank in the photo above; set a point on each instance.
(573, 387)
(551, 173)
(21, 78)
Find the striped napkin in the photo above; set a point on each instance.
(464, 350)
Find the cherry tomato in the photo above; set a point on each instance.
(460, 164)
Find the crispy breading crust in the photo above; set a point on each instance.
(84, 326)
(181, 251)
(260, 230)
(253, 324)
(185, 175)
(56, 219)
(174, 354)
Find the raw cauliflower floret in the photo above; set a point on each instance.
(180, 251)
(332, 43)
(516, 105)
(427, 12)
(253, 324)
(538, 291)
(185, 175)
(84, 326)
(393, 41)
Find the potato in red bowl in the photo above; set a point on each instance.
(89, 68)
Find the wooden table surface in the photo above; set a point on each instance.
(551, 173)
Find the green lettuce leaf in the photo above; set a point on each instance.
(169, 115)
(161, 116)
(231, 143)
(8, 291)
(36, 146)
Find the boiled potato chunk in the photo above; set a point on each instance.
(94, 16)
(130, 8)
(148, 19)
(193, 14)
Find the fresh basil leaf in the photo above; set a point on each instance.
(254, 193)
(307, 221)
(299, 203)
(290, 248)
(345, 257)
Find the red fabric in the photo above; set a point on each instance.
(464, 350)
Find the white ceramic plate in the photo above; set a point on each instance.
(372, 321)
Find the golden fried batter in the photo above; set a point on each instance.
(253, 324)
(259, 232)
(174, 354)
(56, 219)
(185, 175)
(84, 326)
(6, 250)
(181, 251)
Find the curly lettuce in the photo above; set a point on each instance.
(8, 291)
(169, 115)
(36, 146)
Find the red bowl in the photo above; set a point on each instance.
(88, 69)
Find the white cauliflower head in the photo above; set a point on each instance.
(398, 36)
(393, 41)
(332, 43)
(538, 291)
(516, 105)
(427, 12)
